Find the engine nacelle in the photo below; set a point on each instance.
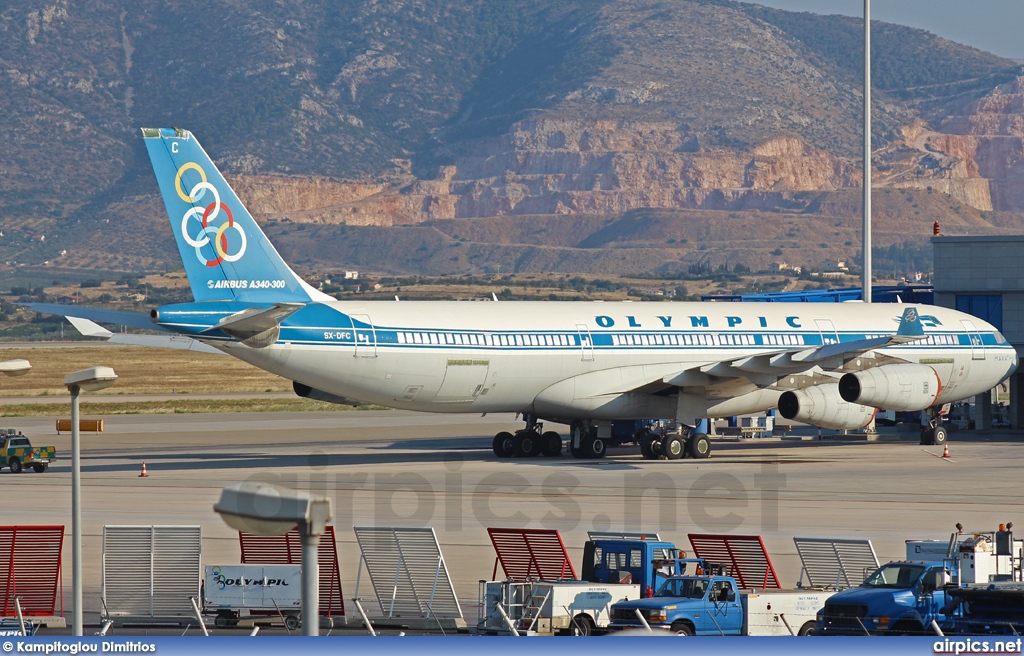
(900, 387)
(307, 392)
(821, 405)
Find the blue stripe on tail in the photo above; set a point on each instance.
(226, 255)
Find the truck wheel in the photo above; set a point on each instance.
(551, 444)
(699, 446)
(809, 628)
(15, 465)
(582, 625)
(682, 629)
(39, 468)
(291, 622)
(225, 619)
(502, 445)
(672, 447)
(906, 628)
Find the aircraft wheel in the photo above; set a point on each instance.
(525, 444)
(940, 434)
(646, 449)
(672, 448)
(699, 446)
(551, 444)
(502, 444)
(594, 447)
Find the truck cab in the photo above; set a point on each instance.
(899, 598)
(647, 563)
(686, 605)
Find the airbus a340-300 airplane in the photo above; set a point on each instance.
(578, 363)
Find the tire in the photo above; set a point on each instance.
(581, 625)
(594, 447)
(699, 446)
(906, 628)
(646, 451)
(39, 468)
(291, 622)
(926, 436)
(940, 434)
(551, 444)
(15, 465)
(681, 628)
(502, 444)
(525, 444)
(225, 619)
(808, 629)
(673, 447)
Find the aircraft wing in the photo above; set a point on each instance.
(92, 329)
(120, 317)
(766, 369)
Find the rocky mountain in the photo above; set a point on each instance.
(430, 112)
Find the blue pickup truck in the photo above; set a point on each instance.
(900, 598)
(713, 605)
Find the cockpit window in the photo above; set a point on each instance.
(1000, 339)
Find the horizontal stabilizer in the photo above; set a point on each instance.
(92, 329)
(119, 317)
(255, 321)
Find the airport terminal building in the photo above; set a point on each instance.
(984, 276)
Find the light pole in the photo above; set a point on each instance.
(89, 380)
(266, 509)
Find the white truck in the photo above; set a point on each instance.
(550, 607)
(234, 592)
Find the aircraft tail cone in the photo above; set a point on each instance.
(945, 450)
(143, 474)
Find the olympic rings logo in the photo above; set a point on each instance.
(206, 216)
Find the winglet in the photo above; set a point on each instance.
(910, 324)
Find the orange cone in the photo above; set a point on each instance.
(144, 474)
(945, 452)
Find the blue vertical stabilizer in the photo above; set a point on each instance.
(226, 255)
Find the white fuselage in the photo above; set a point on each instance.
(449, 356)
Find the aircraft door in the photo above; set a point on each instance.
(366, 336)
(464, 381)
(828, 331)
(586, 342)
(977, 345)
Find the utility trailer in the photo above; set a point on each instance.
(235, 592)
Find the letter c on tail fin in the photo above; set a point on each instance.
(225, 253)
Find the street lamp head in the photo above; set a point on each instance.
(15, 367)
(92, 379)
(265, 509)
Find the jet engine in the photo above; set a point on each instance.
(901, 387)
(821, 405)
(307, 392)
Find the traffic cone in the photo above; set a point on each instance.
(945, 450)
(144, 474)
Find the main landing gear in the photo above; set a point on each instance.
(588, 442)
(674, 447)
(935, 432)
(528, 442)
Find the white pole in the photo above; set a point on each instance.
(76, 515)
(310, 580)
(866, 283)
